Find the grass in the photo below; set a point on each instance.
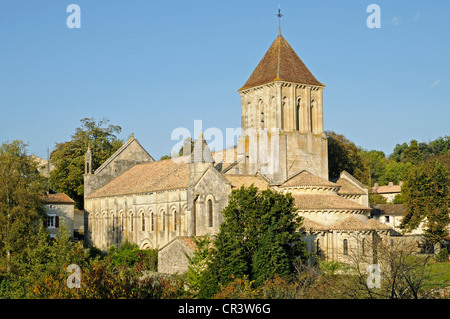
(438, 273)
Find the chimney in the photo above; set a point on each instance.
(390, 184)
(400, 183)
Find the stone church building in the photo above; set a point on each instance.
(160, 204)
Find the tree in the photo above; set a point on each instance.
(374, 165)
(257, 239)
(21, 207)
(412, 154)
(427, 197)
(68, 157)
(395, 172)
(343, 155)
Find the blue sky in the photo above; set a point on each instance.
(151, 67)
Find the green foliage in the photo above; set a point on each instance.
(343, 155)
(399, 199)
(21, 207)
(442, 256)
(198, 262)
(129, 255)
(374, 163)
(375, 199)
(68, 157)
(427, 196)
(257, 239)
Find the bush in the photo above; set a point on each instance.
(442, 256)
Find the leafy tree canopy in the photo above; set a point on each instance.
(68, 157)
(21, 207)
(427, 195)
(258, 239)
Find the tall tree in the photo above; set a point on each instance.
(427, 196)
(68, 157)
(343, 155)
(21, 207)
(258, 239)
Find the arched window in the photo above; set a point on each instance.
(297, 115)
(345, 247)
(143, 221)
(363, 246)
(210, 212)
(121, 222)
(152, 221)
(318, 246)
(131, 222)
(164, 221)
(174, 220)
(283, 111)
(113, 220)
(311, 115)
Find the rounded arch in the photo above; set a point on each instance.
(209, 204)
(151, 216)
(142, 218)
(298, 113)
(162, 213)
(146, 244)
(312, 115)
(174, 214)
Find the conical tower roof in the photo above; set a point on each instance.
(280, 63)
(201, 152)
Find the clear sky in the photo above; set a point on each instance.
(151, 67)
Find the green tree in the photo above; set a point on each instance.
(21, 207)
(412, 154)
(68, 157)
(343, 155)
(257, 239)
(398, 152)
(374, 165)
(395, 172)
(427, 197)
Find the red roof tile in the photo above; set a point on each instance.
(280, 63)
(59, 198)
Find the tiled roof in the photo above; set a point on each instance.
(349, 223)
(280, 63)
(347, 188)
(246, 180)
(375, 224)
(325, 201)
(387, 189)
(389, 209)
(305, 178)
(352, 223)
(309, 224)
(147, 177)
(58, 198)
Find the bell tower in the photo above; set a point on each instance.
(282, 117)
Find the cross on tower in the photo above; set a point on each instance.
(279, 15)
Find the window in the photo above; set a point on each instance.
(143, 221)
(386, 219)
(131, 222)
(51, 221)
(174, 220)
(318, 246)
(121, 222)
(210, 212)
(152, 221)
(163, 221)
(345, 247)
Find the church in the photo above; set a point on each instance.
(283, 147)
